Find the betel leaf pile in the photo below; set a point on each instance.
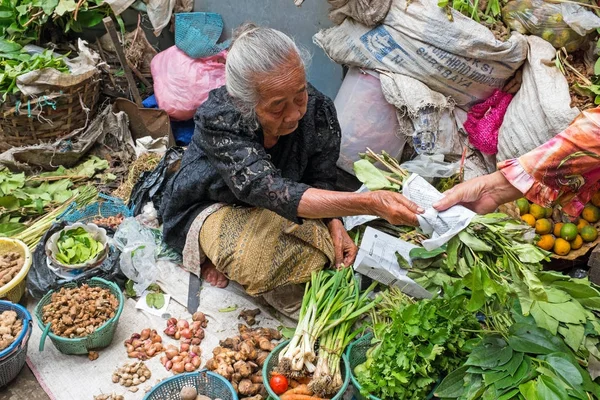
(529, 364)
(76, 246)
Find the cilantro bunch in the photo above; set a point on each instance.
(416, 344)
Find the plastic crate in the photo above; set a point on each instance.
(100, 338)
(273, 359)
(206, 383)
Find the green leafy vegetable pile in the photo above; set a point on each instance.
(416, 343)
(14, 61)
(529, 364)
(76, 246)
(25, 198)
(24, 20)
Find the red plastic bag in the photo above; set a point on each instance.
(484, 120)
(182, 83)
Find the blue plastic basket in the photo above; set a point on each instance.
(205, 382)
(197, 33)
(12, 359)
(107, 207)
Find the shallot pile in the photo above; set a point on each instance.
(184, 359)
(10, 265)
(77, 312)
(144, 345)
(132, 375)
(111, 222)
(10, 327)
(182, 329)
(239, 359)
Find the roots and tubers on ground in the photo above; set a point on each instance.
(78, 312)
(93, 355)
(10, 328)
(10, 265)
(111, 396)
(132, 374)
(249, 316)
(240, 359)
(144, 345)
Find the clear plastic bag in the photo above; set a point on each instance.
(138, 248)
(431, 166)
(563, 25)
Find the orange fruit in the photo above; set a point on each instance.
(589, 233)
(546, 242)
(591, 213)
(522, 205)
(549, 211)
(582, 222)
(543, 226)
(557, 227)
(529, 220)
(596, 199)
(569, 231)
(561, 247)
(537, 211)
(577, 243)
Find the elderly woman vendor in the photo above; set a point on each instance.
(254, 199)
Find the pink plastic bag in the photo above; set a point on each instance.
(182, 83)
(484, 120)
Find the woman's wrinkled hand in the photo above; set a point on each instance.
(482, 195)
(395, 208)
(345, 249)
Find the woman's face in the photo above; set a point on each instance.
(282, 99)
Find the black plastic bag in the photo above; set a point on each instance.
(40, 279)
(150, 185)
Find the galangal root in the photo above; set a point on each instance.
(10, 327)
(144, 345)
(78, 312)
(10, 265)
(240, 359)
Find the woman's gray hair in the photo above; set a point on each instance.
(256, 51)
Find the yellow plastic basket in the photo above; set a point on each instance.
(14, 290)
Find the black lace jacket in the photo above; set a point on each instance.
(227, 162)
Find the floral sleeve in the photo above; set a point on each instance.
(564, 170)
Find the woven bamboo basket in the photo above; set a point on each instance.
(45, 118)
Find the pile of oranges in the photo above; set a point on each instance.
(557, 236)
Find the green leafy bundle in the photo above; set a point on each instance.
(18, 62)
(76, 246)
(529, 364)
(23, 20)
(23, 198)
(569, 312)
(492, 253)
(415, 344)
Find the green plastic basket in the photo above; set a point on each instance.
(273, 359)
(357, 354)
(206, 383)
(100, 338)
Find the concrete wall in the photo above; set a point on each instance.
(299, 22)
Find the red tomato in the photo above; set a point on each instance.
(278, 383)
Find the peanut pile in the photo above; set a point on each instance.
(78, 312)
(10, 265)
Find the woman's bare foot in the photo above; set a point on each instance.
(212, 275)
